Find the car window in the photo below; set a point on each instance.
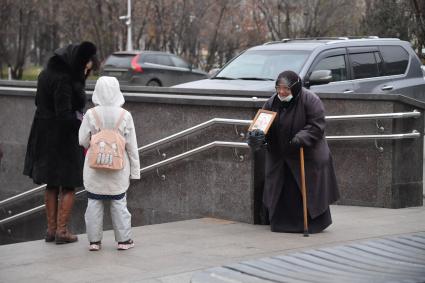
(120, 61)
(337, 66)
(164, 60)
(149, 58)
(396, 60)
(264, 64)
(179, 62)
(364, 65)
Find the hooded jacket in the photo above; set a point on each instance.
(53, 154)
(108, 100)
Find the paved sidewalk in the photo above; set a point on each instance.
(398, 258)
(172, 252)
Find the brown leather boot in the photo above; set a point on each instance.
(63, 236)
(51, 202)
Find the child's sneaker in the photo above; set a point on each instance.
(95, 246)
(125, 245)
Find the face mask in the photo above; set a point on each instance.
(285, 99)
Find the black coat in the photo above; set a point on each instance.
(304, 117)
(53, 153)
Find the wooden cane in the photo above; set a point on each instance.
(303, 191)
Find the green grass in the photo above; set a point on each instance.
(31, 74)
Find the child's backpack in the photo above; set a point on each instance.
(107, 146)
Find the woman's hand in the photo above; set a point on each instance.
(295, 142)
(256, 139)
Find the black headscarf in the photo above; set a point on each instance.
(292, 80)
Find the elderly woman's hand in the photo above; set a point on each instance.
(295, 142)
(256, 139)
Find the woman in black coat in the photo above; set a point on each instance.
(53, 155)
(300, 121)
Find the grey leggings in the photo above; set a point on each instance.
(121, 219)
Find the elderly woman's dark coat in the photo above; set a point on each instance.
(303, 117)
(53, 153)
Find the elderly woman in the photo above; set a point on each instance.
(300, 122)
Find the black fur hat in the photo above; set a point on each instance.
(84, 53)
(76, 56)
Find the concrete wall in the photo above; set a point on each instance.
(366, 176)
(217, 183)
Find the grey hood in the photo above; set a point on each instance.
(107, 92)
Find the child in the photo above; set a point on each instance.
(104, 184)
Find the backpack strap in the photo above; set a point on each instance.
(117, 125)
(96, 117)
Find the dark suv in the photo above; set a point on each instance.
(342, 65)
(151, 68)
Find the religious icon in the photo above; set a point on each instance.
(262, 120)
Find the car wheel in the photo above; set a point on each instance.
(153, 83)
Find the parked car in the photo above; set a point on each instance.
(150, 68)
(341, 65)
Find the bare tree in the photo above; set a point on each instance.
(190, 27)
(5, 32)
(16, 38)
(418, 9)
(207, 33)
(213, 43)
(141, 12)
(46, 35)
(387, 18)
(322, 18)
(104, 20)
(309, 18)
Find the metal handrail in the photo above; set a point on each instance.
(145, 170)
(194, 129)
(146, 148)
(30, 211)
(192, 152)
(399, 115)
(22, 195)
(413, 135)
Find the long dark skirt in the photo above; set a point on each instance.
(288, 215)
